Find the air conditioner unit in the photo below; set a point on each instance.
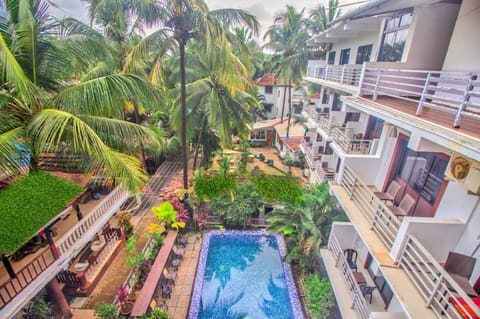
(463, 170)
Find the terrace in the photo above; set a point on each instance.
(406, 262)
(34, 268)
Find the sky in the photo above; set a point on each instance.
(264, 10)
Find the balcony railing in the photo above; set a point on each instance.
(380, 218)
(65, 247)
(433, 283)
(346, 74)
(359, 303)
(350, 145)
(457, 93)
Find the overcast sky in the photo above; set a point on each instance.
(264, 10)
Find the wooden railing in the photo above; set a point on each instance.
(380, 218)
(359, 303)
(25, 276)
(346, 74)
(457, 93)
(435, 285)
(69, 239)
(348, 144)
(103, 254)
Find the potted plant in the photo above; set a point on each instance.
(125, 224)
(123, 302)
(159, 313)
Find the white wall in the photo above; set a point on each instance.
(365, 167)
(438, 236)
(429, 35)
(364, 38)
(462, 54)
(457, 203)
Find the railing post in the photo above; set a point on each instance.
(360, 81)
(353, 187)
(465, 100)
(422, 97)
(434, 290)
(342, 74)
(325, 76)
(377, 82)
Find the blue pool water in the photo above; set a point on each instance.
(241, 275)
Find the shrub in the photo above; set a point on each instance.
(106, 311)
(319, 295)
(212, 186)
(278, 188)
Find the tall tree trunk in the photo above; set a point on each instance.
(283, 104)
(289, 108)
(197, 148)
(137, 121)
(184, 113)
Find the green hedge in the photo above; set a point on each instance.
(208, 187)
(278, 188)
(30, 203)
(319, 295)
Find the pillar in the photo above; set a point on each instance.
(55, 295)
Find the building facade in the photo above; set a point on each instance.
(398, 113)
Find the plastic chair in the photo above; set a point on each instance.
(367, 290)
(391, 194)
(351, 255)
(460, 268)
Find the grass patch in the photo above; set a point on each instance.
(30, 203)
(278, 188)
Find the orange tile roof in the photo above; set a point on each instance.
(293, 142)
(314, 96)
(266, 79)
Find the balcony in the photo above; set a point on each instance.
(351, 143)
(347, 76)
(35, 270)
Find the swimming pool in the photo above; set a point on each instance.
(241, 275)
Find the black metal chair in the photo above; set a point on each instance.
(351, 255)
(367, 290)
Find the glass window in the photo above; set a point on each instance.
(258, 135)
(268, 89)
(344, 56)
(394, 37)
(337, 104)
(268, 108)
(297, 108)
(325, 97)
(331, 57)
(363, 54)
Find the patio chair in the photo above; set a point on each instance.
(367, 291)
(405, 208)
(391, 194)
(351, 255)
(169, 275)
(460, 268)
(179, 252)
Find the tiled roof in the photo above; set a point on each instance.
(266, 79)
(314, 96)
(293, 142)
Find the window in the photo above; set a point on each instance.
(267, 108)
(394, 37)
(337, 104)
(258, 135)
(344, 56)
(325, 97)
(297, 108)
(268, 89)
(331, 57)
(363, 54)
(352, 117)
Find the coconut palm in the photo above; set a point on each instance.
(288, 38)
(184, 20)
(45, 103)
(307, 220)
(321, 16)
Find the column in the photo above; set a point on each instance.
(55, 295)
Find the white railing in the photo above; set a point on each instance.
(83, 226)
(435, 285)
(380, 218)
(350, 145)
(346, 74)
(359, 303)
(453, 92)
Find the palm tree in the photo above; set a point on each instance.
(321, 16)
(288, 38)
(45, 102)
(307, 220)
(184, 20)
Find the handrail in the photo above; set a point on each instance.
(380, 218)
(457, 93)
(435, 285)
(350, 145)
(359, 303)
(346, 74)
(24, 277)
(71, 237)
